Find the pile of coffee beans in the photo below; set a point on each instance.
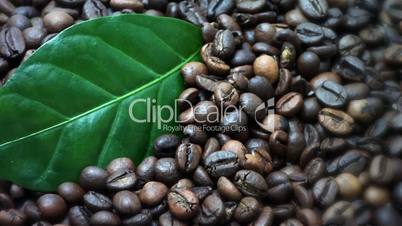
(293, 118)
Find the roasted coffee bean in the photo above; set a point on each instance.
(291, 222)
(121, 180)
(202, 191)
(120, 164)
(351, 68)
(314, 170)
(191, 70)
(273, 122)
(365, 110)
(146, 169)
(93, 178)
(126, 202)
(279, 187)
(249, 102)
(201, 177)
(353, 161)
(212, 210)
(12, 217)
(51, 206)
(225, 95)
(284, 83)
(308, 64)
(324, 51)
(303, 197)
(356, 17)
(142, 218)
(333, 145)
(290, 104)
(266, 66)
(79, 216)
(251, 183)
(71, 192)
(228, 190)
(357, 91)
(7, 7)
(376, 196)
(191, 12)
(183, 204)
(247, 209)
(19, 21)
(336, 121)
(382, 170)
(93, 9)
(249, 6)
(261, 87)
(222, 163)
(331, 94)
(278, 141)
(258, 160)
(239, 81)
(105, 218)
(214, 64)
(314, 9)
(152, 193)
(12, 42)
(243, 56)
(166, 170)
(350, 45)
(57, 20)
(165, 145)
(96, 201)
(341, 212)
(348, 185)
(206, 112)
(219, 7)
(6, 201)
(309, 33)
(265, 218)
(325, 191)
(295, 17)
(288, 55)
(318, 80)
(188, 156)
(33, 36)
(310, 109)
(224, 44)
(284, 211)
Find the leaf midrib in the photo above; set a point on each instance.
(118, 99)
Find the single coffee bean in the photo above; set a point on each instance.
(258, 160)
(214, 64)
(279, 187)
(324, 51)
(94, 9)
(273, 122)
(264, 48)
(331, 94)
(146, 169)
(351, 68)
(120, 164)
(225, 95)
(128, 203)
(71, 192)
(57, 20)
(356, 17)
(192, 13)
(350, 45)
(365, 110)
(251, 183)
(333, 145)
(27, 11)
(295, 17)
(12, 217)
(202, 191)
(310, 109)
(7, 7)
(221, 163)
(290, 104)
(165, 145)
(309, 217)
(93, 178)
(278, 141)
(325, 191)
(33, 36)
(152, 193)
(166, 170)
(284, 83)
(341, 212)
(12, 42)
(308, 64)
(309, 33)
(228, 190)
(96, 201)
(142, 218)
(188, 156)
(239, 81)
(382, 170)
(387, 215)
(261, 87)
(315, 170)
(376, 196)
(336, 121)
(121, 180)
(266, 66)
(134, 5)
(243, 56)
(212, 210)
(183, 204)
(348, 184)
(357, 91)
(238, 148)
(303, 197)
(206, 112)
(105, 218)
(51, 206)
(314, 9)
(183, 184)
(19, 21)
(247, 209)
(353, 162)
(190, 70)
(79, 216)
(224, 44)
(218, 7)
(265, 218)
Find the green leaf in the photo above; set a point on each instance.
(67, 106)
